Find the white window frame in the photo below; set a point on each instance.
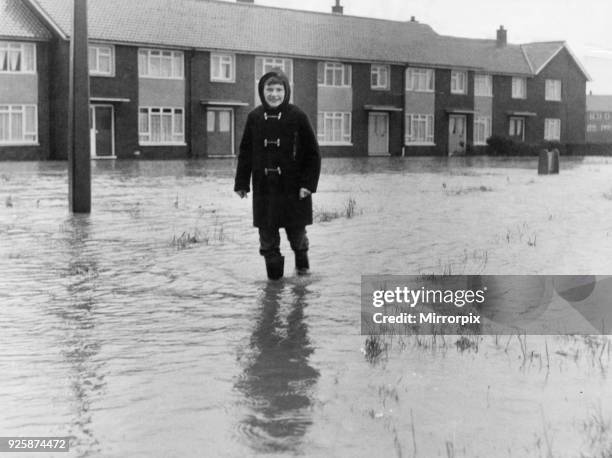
(178, 129)
(552, 91)
(591, 128)
(380, 77)
(97, 50)
(483, 85)
(334, 74)
(412, 120)
(425, 79)
(519, 87)
(29, 133)
(176, 59)
(10, 50)
(217, 61)
(483, 122)
(274, 62)
(552, 129)
(326, 119)
(459, 82)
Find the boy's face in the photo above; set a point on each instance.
(274, 94)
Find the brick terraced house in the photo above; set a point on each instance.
(599, 118)
(176, 79)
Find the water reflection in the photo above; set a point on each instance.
(79, 345)
(278, 381)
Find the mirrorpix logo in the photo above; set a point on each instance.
(504, 302)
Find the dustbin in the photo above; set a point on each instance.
(548, 163)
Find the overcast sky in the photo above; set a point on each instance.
(586, 25)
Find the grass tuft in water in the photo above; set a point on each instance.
(465, 343)
(349, 211)
(184, 240)
(374, 348)
(215, 234)
(598, 431)
(466, 190)
(521, 234)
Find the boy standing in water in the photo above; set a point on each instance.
(280, 153)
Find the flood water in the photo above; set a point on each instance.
(148, 328)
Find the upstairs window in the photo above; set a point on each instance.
(222, 68)
(264, 65)
(420, 79)
(334, 74)
(101, 60)
(553, 90)
(155, 63)
(379, 77)
(483, 85)
(458, 82)
(17, 57)
(519, 88)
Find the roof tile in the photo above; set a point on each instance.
(18, 21)
(251, 28)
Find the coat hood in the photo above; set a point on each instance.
(260, 88)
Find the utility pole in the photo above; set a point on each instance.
(79, 159)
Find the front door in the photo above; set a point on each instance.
(219, 132)
(101, 131)
(378, 134)
(517, 128)
(456, 134)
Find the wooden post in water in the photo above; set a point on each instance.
(79, 159)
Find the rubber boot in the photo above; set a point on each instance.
(301, 262)
(275, 265)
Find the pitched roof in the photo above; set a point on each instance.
(252, 28)
(17, 21)
(539, 54)
(480, 54)
(243, 28)
(599, 102)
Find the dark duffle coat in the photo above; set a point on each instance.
(280, 140)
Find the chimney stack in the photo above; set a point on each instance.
(413, 19)
(502, 37)
(338, 9)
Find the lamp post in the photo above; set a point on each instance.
(79, 160)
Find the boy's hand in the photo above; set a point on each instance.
(304, 193)
(241, 193)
